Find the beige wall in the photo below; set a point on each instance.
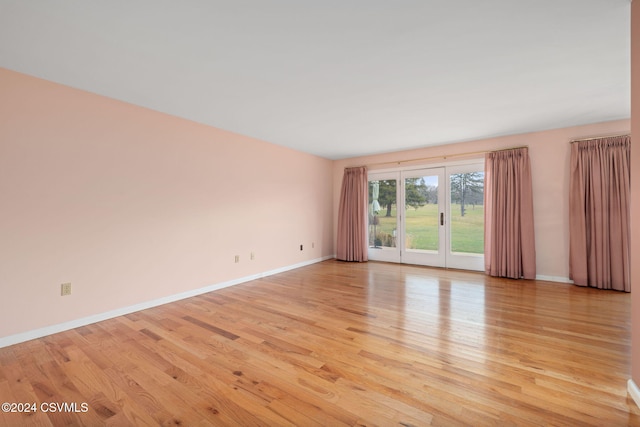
(549, 152)
(131, 205)
(635, 191)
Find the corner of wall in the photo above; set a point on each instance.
(635, 202)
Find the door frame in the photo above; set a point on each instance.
(418, 256)
(383, 253)
(398, 254)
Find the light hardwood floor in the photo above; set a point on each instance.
(337, 344)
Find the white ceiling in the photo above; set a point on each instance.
(338, 78)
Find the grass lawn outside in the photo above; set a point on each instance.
(467, 232)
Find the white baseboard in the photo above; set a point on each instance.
(76, 323)
(634, 391)
(559, 279)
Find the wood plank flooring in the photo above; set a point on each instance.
(341, 344)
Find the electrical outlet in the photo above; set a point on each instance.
(65, 289)
(253, 256)
(313, 245)
(237, 258)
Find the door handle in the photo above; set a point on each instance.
(441, 218)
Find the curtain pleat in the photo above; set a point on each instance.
(599, 213)
(509, 233)
(352, 216)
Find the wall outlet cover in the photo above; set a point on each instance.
(65, 289)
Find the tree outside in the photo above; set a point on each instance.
(387, 196)
(415, 192)
(467, 189)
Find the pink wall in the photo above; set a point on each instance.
(131, 205)
(549, 152)
(635, 192)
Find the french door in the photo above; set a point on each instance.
(428, 216)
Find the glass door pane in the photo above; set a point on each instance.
(383, 217)
(421, 213)
(383, 223)
(423, 217)
(466, 217)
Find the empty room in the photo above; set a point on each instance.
(320, 213)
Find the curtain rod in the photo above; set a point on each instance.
(446, 156)
(597, 137)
